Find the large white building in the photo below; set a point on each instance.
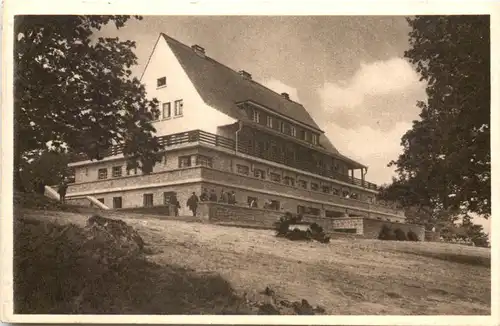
(223, 130)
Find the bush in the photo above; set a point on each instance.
(386, 233)
(400, 235)
(283, 224)
(412, 236)
(314, 231)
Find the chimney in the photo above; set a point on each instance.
(245, 74)
(285, 95)
(199, 50)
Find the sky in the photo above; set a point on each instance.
(349, 72)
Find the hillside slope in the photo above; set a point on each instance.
(202, 268)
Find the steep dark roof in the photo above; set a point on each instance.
(221, 87)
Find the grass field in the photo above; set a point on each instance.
(203, 268)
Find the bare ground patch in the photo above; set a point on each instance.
(344, 276)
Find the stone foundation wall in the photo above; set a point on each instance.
(238, 214)
(347, 223)
(432, 236)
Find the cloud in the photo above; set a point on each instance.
(280, 87)
(372, 147)
(379, 94)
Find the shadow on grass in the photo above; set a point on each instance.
(53, 275)
(454, 257)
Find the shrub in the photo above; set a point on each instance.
(314, 231)
(283, 224)
(400, 235)
(386, 233)
(412, 236)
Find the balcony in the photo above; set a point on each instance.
(202, 137)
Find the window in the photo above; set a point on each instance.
(184, 161)
(370, 199)
(287, 128)
(101, 200)
(354, 195)
(269, 121)
(102, 174)
(301, 209)
(335, 191)
(164, 159)
(117, 202)
(204, 161)
(160, 82)
(116, 171)
(313, 211)
(242, 169)
(314, 186)
(302, 134)
(345, 193)
(315, 139)
(275, 205)
(333, 214)
(252, 201)
(289, 181)
(279, 125)
(178, 107)
(275, 177)
(148, 200)
(166, 110)
(259, 173)
(256, 116)
(302, 184)
(294, 131)
(326, 189)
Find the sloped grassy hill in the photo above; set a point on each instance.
(201, 268)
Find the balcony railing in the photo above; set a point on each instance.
(200, 136)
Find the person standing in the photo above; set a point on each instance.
(223, 197)
(63, 186)
(232, 198)
(192, 203)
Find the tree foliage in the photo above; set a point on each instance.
(444, 168)
(47, 167)
(73, 89)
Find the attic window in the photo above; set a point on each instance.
(315, 139)
(285, 95)
(199, 50)
(245, 74)
(160, 82)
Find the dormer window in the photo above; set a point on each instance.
(270, 122)
(161, 82)
(256, 116)
(315, 139)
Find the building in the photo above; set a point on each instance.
(224, 131)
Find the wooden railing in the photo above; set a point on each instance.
(203, 137)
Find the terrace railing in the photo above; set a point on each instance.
(203, 137)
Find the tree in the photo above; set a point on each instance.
(75, 91)
(46, 167)
(445, 164)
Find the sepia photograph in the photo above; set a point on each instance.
(251, 165)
